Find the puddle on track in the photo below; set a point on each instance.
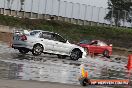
(49, 68)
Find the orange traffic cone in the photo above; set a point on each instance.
(83, 71)
(86, 74)
(129, 65)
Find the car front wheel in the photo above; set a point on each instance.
(75, 54)
(37, 50)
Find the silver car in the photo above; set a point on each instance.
(38, 42)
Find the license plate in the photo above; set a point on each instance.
(16, 38)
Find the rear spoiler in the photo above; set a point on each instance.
(21, 32)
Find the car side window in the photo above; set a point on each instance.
(58, 38)
(46, 35)
(102, 44)
(94, 43)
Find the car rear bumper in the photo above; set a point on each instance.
(18, 46)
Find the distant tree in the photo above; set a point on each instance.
(119, 10)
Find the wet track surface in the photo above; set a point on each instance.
(14, 65)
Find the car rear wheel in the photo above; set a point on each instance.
(75, 54)
(23, 51)
(106, 53)
(37, 50)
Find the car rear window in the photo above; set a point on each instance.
(34, 32)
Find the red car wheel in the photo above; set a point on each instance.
(106, 53)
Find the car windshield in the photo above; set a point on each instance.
(34, 32)
(85, 42)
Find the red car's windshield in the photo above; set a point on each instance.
(94, 42)
(85, 42)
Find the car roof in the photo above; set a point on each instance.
(45, 31)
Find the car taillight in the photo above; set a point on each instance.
(23, 37)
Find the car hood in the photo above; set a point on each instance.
(76, 46)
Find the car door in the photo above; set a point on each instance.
(60, 45)
(102, 46)
(46, 39)
(93, 47)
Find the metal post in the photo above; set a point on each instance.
(99, 14)
(24, 10)
(0, 10)
(112, 17)
(45, 8)
(124, 20)
(92, 15)
(17, 13)
(84, 21)
(105, 15)
(31, 8)
(11, 7)
(38, 8)
(52, 7)
(11, 4)
(59, 8)
(4, 8)
(65, 9)
(71, 12)
(78, 13)
(118, 17)
(8, 4)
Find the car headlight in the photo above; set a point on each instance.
(85, 49)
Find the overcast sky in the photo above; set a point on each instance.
(98, 3)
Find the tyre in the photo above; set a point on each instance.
(106, 53)
(85, 81)
(23, 51)
(61, 56)
(75, 54)
(37, 50)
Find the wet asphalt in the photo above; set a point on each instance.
(49, 68)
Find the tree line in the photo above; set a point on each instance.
(119, 10)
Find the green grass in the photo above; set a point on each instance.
(121, 37)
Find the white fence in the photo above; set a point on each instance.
(62, 9)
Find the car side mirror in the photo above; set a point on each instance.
(110, 45)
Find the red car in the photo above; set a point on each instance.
(97, 47)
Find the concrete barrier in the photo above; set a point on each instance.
(6, 29)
